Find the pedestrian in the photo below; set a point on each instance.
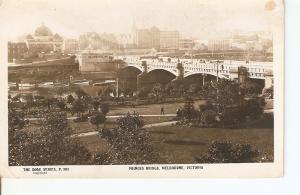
(162, 111)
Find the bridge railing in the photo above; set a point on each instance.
(255, 69)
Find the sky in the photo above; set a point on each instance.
(193, 18)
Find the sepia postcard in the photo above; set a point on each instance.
(141, 88)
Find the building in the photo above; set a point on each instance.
(96, 62)
(70, 46)
(95, 41)
(126, 41)
(186, 43)
(43, 41)
(169, 40)
(16, 50)
(219, 45)
(148, 38)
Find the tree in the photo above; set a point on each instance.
(130, 121)
(268, 92)
(80, 93)
(171, 89)
(188, 112)
(193, 88)
(127, 91)
(97, 119)
(208, 118)
(61, 105)
(29, 101)
(143, 92)
(157, 92)
(106, 91)
(51, 144)
(51, 101)
(78, 107)
(227, 152)
(253, 108)
(17, 138)
(228, 94)
(104, 108)
(70, 99)
(251, 88)
(96, 104)
(129, 144)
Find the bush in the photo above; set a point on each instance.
(268, 92)
(97, 119)
(227, 152)
(231, 117)
(143, 92)
(129, 144)
(188, 112)
(104, 108)
(82, 118)
(52, 145)
(208, 118)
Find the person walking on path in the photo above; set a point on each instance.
(162, 111)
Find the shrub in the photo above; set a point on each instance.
(188, 112)
(97, 119)
(129, 144)
(104, 108)
(52, 145)
(227, 152)
(82, 118)
(208, 118)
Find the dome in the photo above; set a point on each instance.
(57, 37)
(29, 36)
(43, 31)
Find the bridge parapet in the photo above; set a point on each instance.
(225, 69)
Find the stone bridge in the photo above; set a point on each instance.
(182, 68)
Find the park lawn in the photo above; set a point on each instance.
(183, 144)
(83, 127)
(94, 144)
(169, 108)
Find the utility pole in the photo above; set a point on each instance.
(117, 88)
(218, 103)
(203, 80)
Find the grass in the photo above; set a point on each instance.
(182, 144)
(176, 143)
(84, 127)
(169, 108)
(94, 144)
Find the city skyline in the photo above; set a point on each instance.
(105, 16)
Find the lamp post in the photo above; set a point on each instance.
(117, 87)
(218, 104)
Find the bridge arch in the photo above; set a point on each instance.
(173, 72)
(128, 78)
(159, 76)
(220, 75)
(137, 66)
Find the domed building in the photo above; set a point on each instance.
(43, 41)
(43, 31)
